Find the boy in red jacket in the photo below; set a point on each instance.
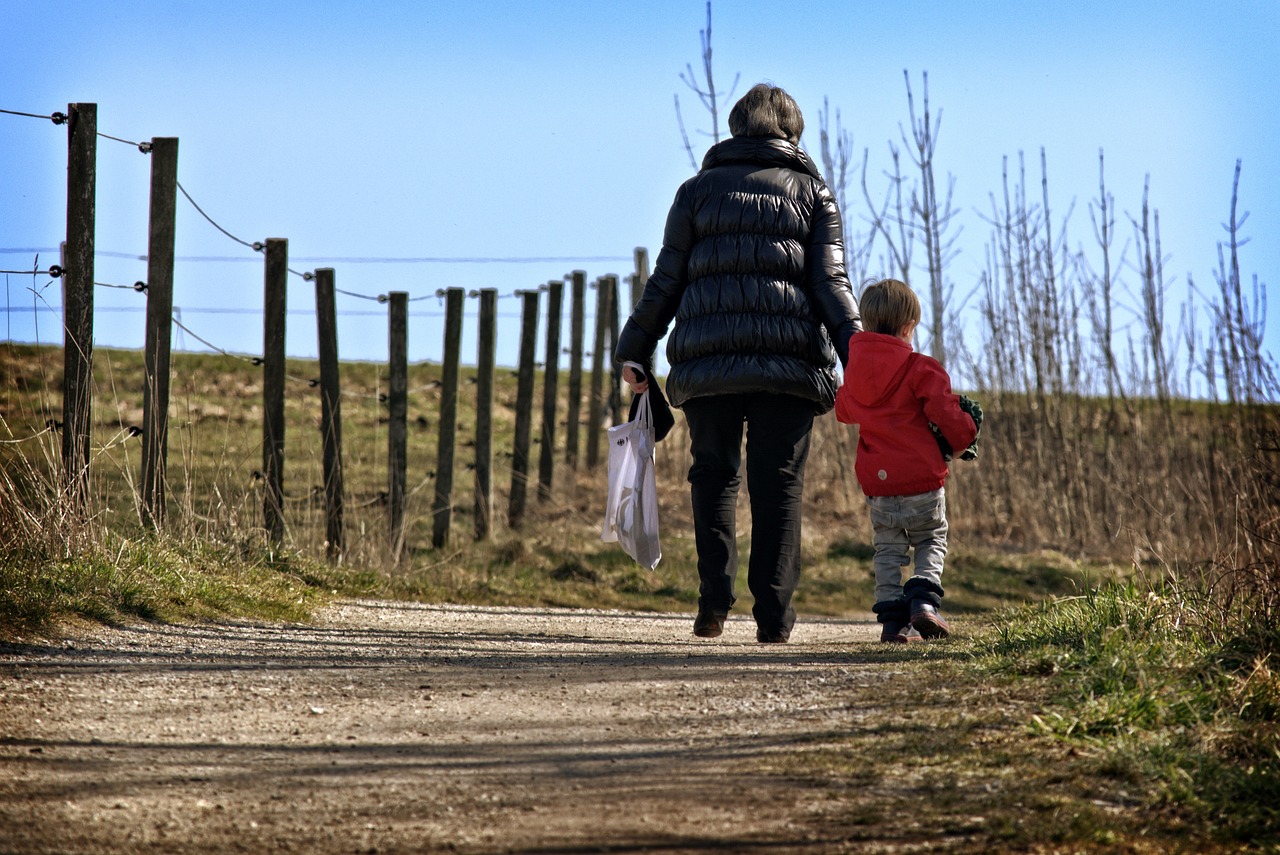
(893, 394)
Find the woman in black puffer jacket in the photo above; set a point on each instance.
(752, 273)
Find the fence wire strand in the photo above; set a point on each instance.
(56, 118)
(256, 246)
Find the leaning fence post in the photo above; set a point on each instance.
(524, 409)
(550, 388)
(330, 413)
(576, 325)
(155, 402)
(486, 360)
(397, 404)
(77, 306)
(442, 509)
(275, 288)
(596, 402)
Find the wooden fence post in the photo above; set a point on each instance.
(550, 388)
(576, 325)
(615, 369)
(330, 413)
(397, 405)
(524, 409)
(486, 361)
(442, 510)
(641, 277)
(155, 403)
(77, 305)
(595, 403)
(275, 309)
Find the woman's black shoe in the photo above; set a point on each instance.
(709, 624)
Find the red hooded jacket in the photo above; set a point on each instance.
(892, 393)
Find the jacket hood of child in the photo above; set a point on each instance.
(892, 393)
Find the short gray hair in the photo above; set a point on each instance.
(767, 111)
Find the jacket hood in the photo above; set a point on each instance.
(766, 151)
(878, 363)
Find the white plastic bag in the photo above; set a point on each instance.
(631, 511)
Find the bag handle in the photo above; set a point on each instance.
(644, 410)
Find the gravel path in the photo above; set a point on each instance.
(394, 727)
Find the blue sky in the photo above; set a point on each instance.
(547, 130)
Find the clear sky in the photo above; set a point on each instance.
(547, 130)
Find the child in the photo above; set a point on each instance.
(894, 394)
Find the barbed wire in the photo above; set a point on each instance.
(256, 246)
(306, 276)
(129, 432)
(254, 360)
(215, 310)
(381, 298)
(259, 246)
(54, 272)
(56, 118)
(320, 259)
(47, 429)
(122, 436)
(501, 465)
(144, 147)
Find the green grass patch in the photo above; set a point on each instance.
(1167, 690)
(119, 580)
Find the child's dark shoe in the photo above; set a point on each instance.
(895, 632)
(928, 621)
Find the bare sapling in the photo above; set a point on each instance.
(1151, 275)
(933, 217)
(836, 148)
(889, 218)
(705, 89)
(1098, 292)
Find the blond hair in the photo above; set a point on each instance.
(887, 306)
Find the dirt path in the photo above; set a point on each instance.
(392, 727)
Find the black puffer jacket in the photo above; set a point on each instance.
(752, 272)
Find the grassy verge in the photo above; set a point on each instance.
(1165, 692)
(126, 581)
(1126, 719)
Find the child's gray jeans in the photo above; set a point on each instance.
(900, 523)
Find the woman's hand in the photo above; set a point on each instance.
(636, 380)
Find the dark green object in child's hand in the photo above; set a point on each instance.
(971, 407)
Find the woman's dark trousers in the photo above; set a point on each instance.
(777, 430)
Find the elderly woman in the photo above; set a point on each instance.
(752, 273)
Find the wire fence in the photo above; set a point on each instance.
(75, 319)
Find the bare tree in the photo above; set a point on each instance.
(933, 216)
(1102, 212)
(706, 92)
(836, 149)
(902, 215)
(1239, 322)
(891, 212)
(1151, 273)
